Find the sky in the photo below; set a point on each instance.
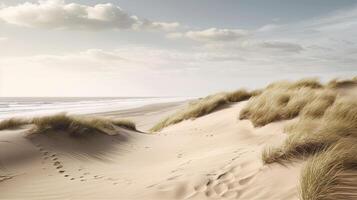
(171, 47)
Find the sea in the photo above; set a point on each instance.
(37, 106)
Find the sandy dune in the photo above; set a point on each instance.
(213, 157)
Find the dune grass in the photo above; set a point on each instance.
(311, 83)
(13, 123)
(310, 135)
(337, 83)
(325, 134)
(280, 102)
(204, 106)
(331, 174)
(75, 125)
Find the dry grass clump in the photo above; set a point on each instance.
(193, 110)
(75, 125)
(326, 129)
(336, 83)
(124, 123)
(286, 100)
(310, 135)
(13, 123)
(204, 106)
(276, 104)
(331, 174)
(331, 138)
(79, 125)
(311, 83)
(238, 95)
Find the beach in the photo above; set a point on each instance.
(215, 156)
(211, 157)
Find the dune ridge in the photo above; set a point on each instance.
(204, 106)
(75, 125)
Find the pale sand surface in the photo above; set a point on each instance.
(215, 156)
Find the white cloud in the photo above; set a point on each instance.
(57, 14)
(212, 35)
(3, 39)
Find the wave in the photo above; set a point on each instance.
(14, 107)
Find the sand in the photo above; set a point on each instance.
(215, 156)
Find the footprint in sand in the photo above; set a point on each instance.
(226, 184)
(58, 165)
(5, 177)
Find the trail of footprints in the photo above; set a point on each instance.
(58, 165)
(227, 182)
(225, 185)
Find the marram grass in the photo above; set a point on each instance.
(332, 174)
(204, 106)
(75, 125)
(286, 100)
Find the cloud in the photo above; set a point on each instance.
(212, 35)
(158, 25)
(274, 46)
(124, 58)
(339, 20)
(268, 27)
(57, 14)
(2, 39)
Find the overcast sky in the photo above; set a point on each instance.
(170, 47)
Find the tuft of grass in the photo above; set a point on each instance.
(75, 125)
(124, 123)
(193, 110)
(13, 123)
(79, 125)
(310, 135)
(336, 83)
(204, 106)
(331, 174)
(286, 100)
(238, 95)
(311, 83)
(278, 104)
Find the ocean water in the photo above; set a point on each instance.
(36, 106)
